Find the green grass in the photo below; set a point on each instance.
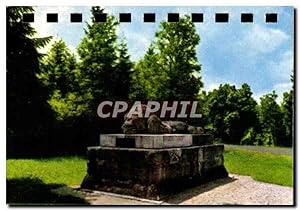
(265, 167)
(64, 170)
(45, 181)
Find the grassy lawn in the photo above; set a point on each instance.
(265, 167)
(63, 170)
(44, 181)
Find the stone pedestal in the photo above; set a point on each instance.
(153, 166)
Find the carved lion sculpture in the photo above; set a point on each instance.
(134, 124)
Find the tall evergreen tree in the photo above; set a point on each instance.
(28, 114)
(58, 68)
(120, 79)
(105, 69)
(105, 65)
(60, 75)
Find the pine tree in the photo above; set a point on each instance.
(58, 68)
(122, 73)
(28, 114)
(60, 75)
(104, 69)
(98, 57)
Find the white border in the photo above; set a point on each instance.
(155, 3)
(4, 3)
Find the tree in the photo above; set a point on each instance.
(230, 112)
(105, 69)
(59, 73)
(148, 83)
(28, 114)
(177, 43)
(170, 69)
(58, 68)
(104, 64)
(271, 120)
(287, 111)
(120, 80)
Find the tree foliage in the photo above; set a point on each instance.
(148, 83)
(230, 112)
(271, 120)
(287, 111)
(104, 62)
(69, 87)
(58, 68)
(59, 73)
(28, 114)
(170, 69)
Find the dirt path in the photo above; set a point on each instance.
(235, 190)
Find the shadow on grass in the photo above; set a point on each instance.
(33, 191)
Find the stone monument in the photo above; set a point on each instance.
(153, 159)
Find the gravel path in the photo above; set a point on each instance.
(235, 190)
(273, 150)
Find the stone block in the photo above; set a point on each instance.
(211, 151)
(158, 142)
(107, 141)
(152, 173)
(175, 140)
(139, 142)
(147, 141)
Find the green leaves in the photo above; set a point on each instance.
(231, 111)
(104, 65)
(287, 110)
(64, 80)
(70, 86)
(271, 120)
(70, 106)
(170, 69)
(233, 115)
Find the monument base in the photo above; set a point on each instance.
(152, 173)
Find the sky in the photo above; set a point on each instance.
(260, 54)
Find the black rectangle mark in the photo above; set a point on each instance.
(222, 17)
(149, 17)
(246, 17)
(125, 142)
(125, 17)
(52, 17)
(173, 17)
(28, 17)
(271, 17)
(197, 17)
(100, 17)
(76, 17)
